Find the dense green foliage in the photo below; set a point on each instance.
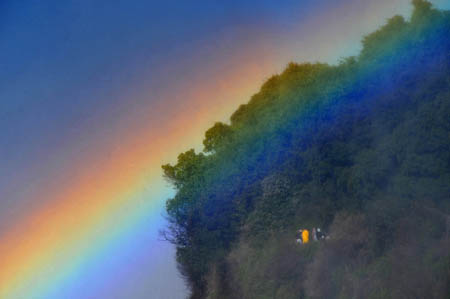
(361, 149)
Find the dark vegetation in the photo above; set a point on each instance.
(361, 149)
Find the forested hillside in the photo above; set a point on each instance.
(360, 149)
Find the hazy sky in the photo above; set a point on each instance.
(96, 95)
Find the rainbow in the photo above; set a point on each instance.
(93, 225)
(108, 206)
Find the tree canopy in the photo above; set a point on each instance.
(361, 149)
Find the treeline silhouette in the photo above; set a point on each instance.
(360, 149)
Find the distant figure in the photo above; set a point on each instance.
(320, 234)
(314, 234)
(299, 237)
(305, 236)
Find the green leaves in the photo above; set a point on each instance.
(189, 167)
(217, 136)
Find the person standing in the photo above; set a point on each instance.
(299, 237)
(305, 236)
(314, 234)
(320, 234)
